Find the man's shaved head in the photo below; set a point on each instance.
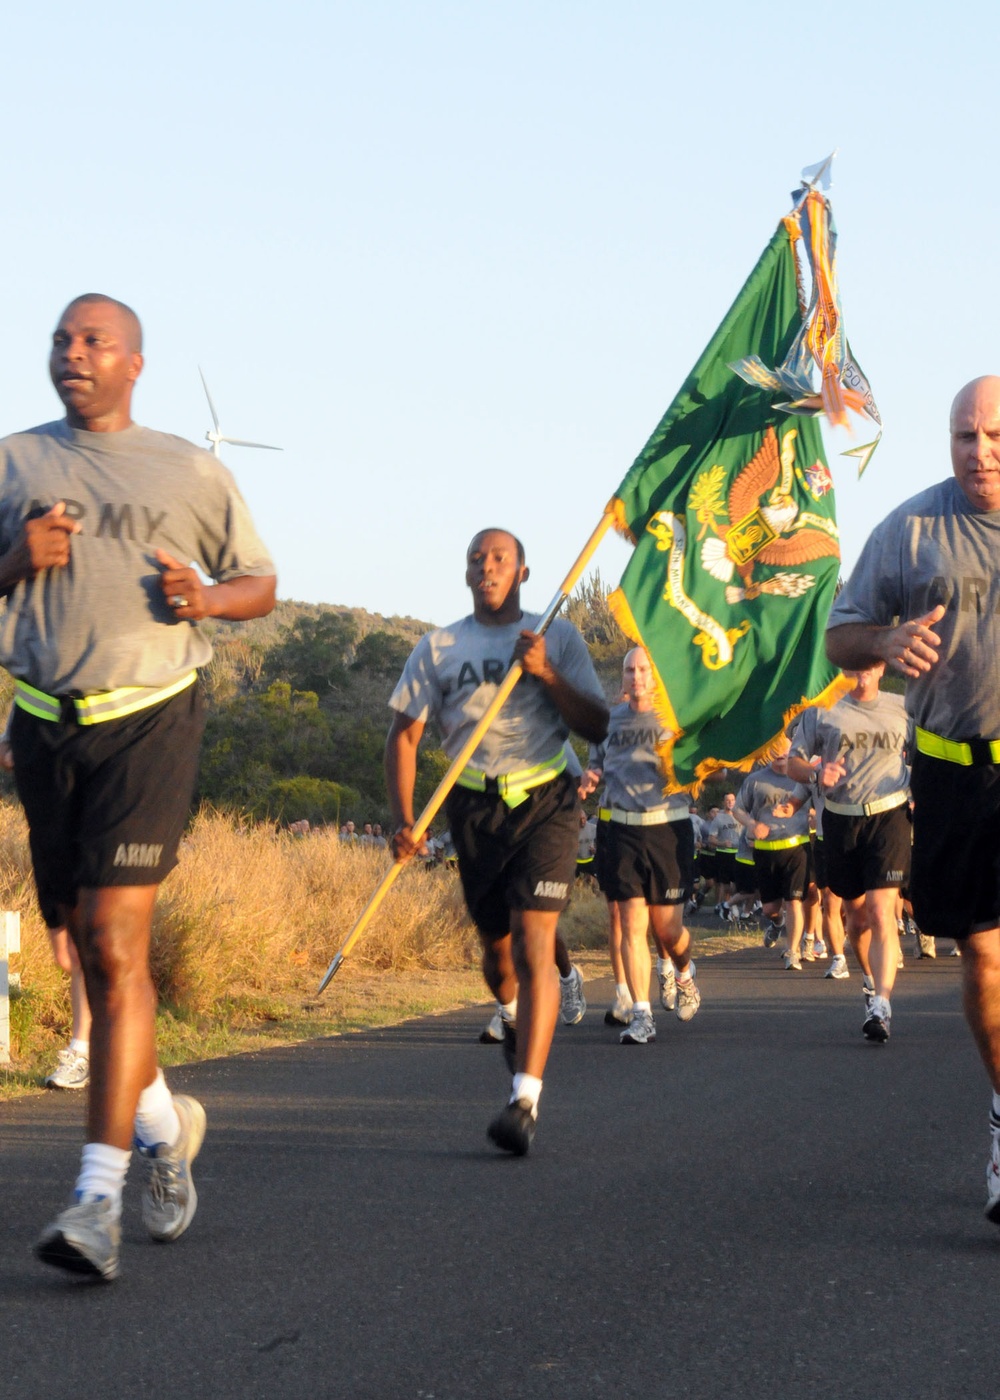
(987, 385)
(975, 441)
(131, 320)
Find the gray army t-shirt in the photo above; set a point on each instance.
(932, 549)
(726, 830)
(764, 790)
(868, 736)
(102, 622)
(628, 757)
(454, 672)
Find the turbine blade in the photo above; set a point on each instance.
(211, 405)
(241, 442)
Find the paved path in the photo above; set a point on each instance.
(761, 1204)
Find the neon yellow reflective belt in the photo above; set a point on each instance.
(106, 704)
(782, 845)
(514, 787)
(954, 750)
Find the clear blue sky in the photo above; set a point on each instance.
(457, 258)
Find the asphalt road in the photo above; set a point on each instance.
(760, 1204)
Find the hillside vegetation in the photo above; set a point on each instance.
(298, 707)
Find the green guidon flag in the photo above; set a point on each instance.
(731, 509)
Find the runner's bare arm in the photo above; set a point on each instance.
(237, 599)
(400, 779)
(910, 648)
(800, 769)
(584, 714)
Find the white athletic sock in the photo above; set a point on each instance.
(526, 1088)
(102, 1172)
(662, 964)
(642, 1006)
(80, 1047)
(622, 992)
(508, 1013)
(687, 974)
(156, 1118)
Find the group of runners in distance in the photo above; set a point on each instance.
(101, 524)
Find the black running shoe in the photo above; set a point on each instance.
(510, 1045)
(513, 1129)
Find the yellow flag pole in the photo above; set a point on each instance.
(446, 784)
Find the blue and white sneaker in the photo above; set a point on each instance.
(169, 1199)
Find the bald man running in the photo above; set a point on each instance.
(933, 564)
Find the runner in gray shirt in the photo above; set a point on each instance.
(775, 811)
(925, 599)
(101, 523)
(856, 749)
(724, 839)
(645, 865)
(513, 813)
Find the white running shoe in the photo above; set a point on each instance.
(993, 1178)
(641, 1030)
(620, 1012)
(572, 1002)
(668, 987)
(867, 991)
(926, 947)
(820, 948)
(792, 961)
(688, 996)
(72, 1071)
(84, 1239)
(876, 1026)
(838, 967)
(809, 950)
(169, 1199)
(492, 1034)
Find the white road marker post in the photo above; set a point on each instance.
(10, 942)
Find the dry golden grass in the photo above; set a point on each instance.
(251, 909)
(244, 929)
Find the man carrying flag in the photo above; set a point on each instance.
(513, 812)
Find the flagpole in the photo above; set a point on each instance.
(458, 763)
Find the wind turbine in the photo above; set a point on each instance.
(216, 437)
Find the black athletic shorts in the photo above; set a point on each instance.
(518, 858)
(706, 864)
(782, 874)
(867, 853)
(106, 803)
(653, 863)
(955, 876)
(725, 867)
(746, 877)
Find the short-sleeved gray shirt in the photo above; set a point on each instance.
(726, 830)
(868, 736)
(933, 549)
(102, 622)
(454, 672)
(764, 790)
(628, 757)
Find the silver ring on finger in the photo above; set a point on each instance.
(177, 600)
